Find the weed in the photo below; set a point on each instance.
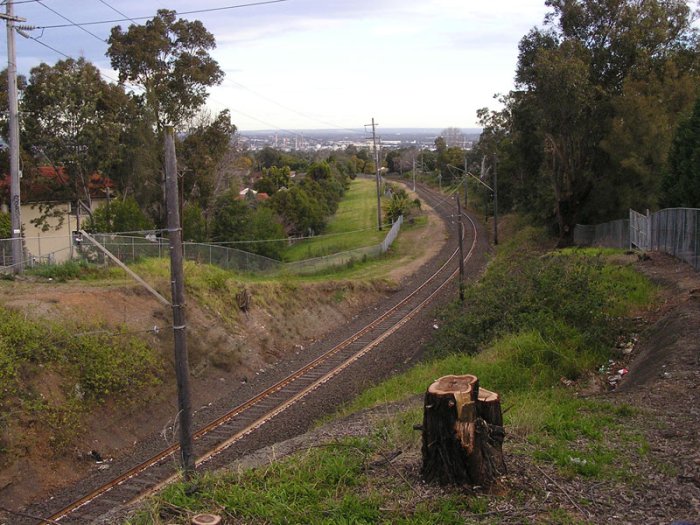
(562, 517)
(68, 270)
(339, 295)
(523, 291)
(93, 366)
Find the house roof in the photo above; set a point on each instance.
(49, 183)
(257, 195)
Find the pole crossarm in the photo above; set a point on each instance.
(467, 173)
(12, 18)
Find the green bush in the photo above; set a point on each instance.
(523, 291)
(5, 226)
(61, 272)
(119, 215)
(101, 364)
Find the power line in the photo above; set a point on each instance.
(271, 125)
(71, 22)
(116, 10)
(48, 46)
(58, 51)
(72, 58)
(135, 86)
(178, 13)
(291, 109)
(139, 87)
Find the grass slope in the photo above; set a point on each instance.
(558, 317)
(353, 226)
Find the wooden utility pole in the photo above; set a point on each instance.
(13, 118)
(466, 180)
(495, 200)
(414, 172)
(461, 249)
(376, 163)
(177, 282)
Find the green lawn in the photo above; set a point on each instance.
(357, 211)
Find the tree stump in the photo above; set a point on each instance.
(462, 433)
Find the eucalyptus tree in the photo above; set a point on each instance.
(202, 150)
(74, 120)
(169, 58)
(681, 183)
(582, 76)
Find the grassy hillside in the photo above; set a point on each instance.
(353, 226)
(533, 323)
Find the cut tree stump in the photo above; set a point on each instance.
(462, 433)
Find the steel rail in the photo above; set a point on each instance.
(255, 400)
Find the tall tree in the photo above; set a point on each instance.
(202, 151)
(73, 119)
(170, 59)
(681, 185)
(573, 74)
(21, 85)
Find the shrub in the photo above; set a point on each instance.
(522, 291)
(119, 216)
(102, 364)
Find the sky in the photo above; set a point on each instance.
(320, 64)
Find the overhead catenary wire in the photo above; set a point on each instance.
(309, 117)
(178, 13)
(116, 10)
(72, 23)
(41, 3)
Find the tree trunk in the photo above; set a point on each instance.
(566, 218)
(462, 433)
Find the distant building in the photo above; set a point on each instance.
(251, 195)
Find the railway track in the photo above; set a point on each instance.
(247, 418)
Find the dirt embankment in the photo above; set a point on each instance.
(227, 347)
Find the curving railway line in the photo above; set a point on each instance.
(214, 439)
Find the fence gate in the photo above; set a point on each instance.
(640, 230)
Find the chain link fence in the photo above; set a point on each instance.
(675, 231)
(132, 248)
(30, 259)
(345, 258)
(129, 249)
(613, 234)
(6, 253)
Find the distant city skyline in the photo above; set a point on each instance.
(321, 64)
(334, 139)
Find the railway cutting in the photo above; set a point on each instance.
(375, 345)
